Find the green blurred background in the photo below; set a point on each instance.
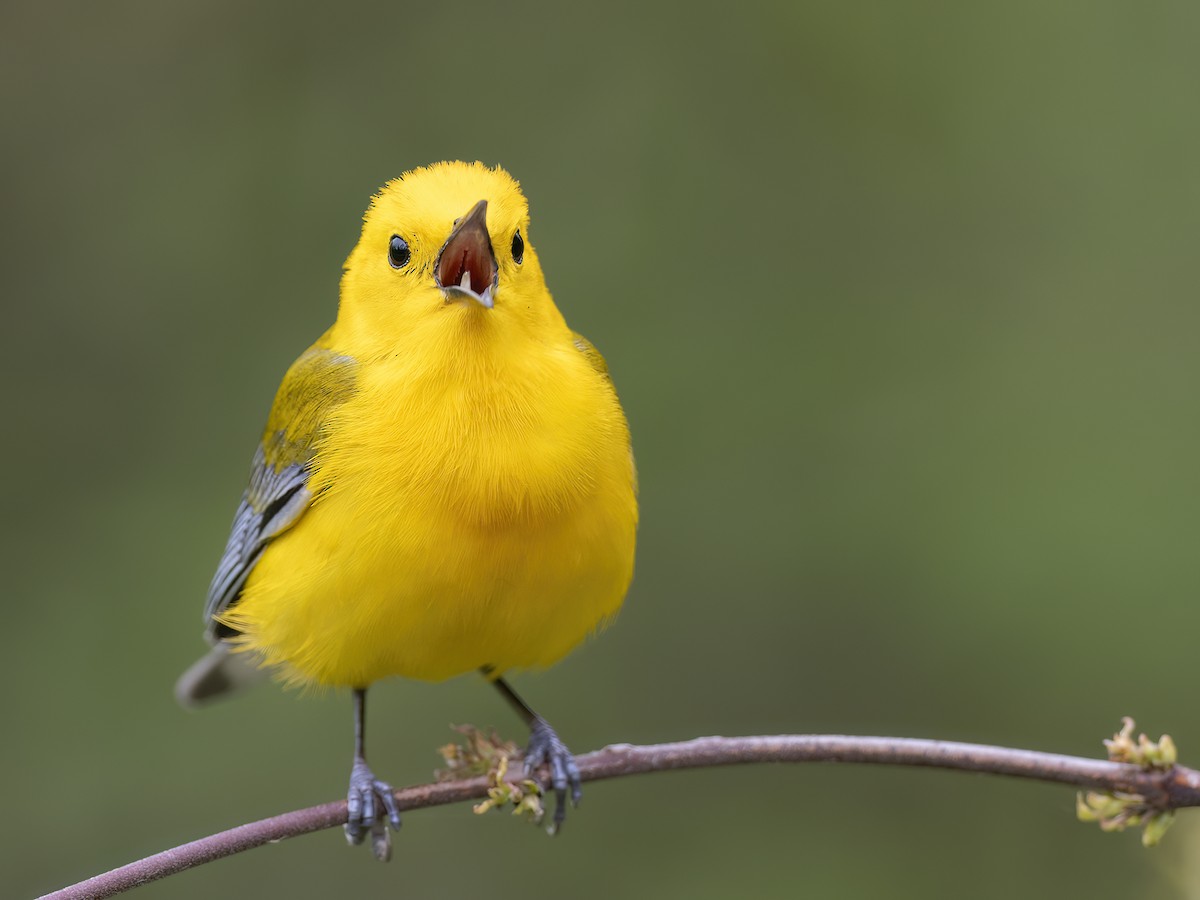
(900, 299)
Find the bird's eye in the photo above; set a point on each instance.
(518, 249)
(398, 252)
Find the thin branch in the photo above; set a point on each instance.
(1173, 788)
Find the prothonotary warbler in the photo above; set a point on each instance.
(445, 483)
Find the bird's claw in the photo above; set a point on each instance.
(366, 802)
(546, 748)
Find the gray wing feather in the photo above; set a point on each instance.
(275, 498)
(278, 491)
(272, 503)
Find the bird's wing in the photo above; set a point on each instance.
(316, 384)
(584, 346)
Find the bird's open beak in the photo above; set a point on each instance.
(466, 266)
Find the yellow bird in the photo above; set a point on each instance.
(445, 482)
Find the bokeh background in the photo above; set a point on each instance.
(901, 302)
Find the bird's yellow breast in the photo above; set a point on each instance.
(475, 505)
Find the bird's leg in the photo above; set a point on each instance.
(368, 798)
(545, 747)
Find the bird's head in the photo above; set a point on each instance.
(444, 249)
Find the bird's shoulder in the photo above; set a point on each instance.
(590, 353)
(319, 381)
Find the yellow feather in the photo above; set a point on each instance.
(474, 499)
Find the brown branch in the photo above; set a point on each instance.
(1173, 788)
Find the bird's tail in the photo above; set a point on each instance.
(218, 673)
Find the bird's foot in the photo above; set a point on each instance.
(546, 748)
(367, 802)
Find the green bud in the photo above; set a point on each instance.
(1157, 827)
